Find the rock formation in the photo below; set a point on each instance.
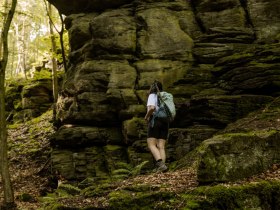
(220, 60)
(27, 100)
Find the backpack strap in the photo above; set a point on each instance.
(158, 94)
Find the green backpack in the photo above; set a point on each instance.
(166, 111)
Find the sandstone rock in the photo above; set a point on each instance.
(220, 13)
(29, 100)
(134, 129)
(114, 155)
(118, 37)
(265, 18)
(183, 140)
(235, 156)
(228, 35)
(252, 71)
(137, 156)
(77, 165)
(167, 71)
(212, 56)
(220, 5)
(78, 27)
(209, 53)
(219, 111)
(161, 37)
(71, 136)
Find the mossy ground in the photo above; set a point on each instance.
(259, 195)
(29, 154)
(178, 189)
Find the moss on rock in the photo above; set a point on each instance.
(263, 195)
(234, 156)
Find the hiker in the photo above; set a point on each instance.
(157, 130)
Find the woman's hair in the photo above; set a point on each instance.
(155, 86)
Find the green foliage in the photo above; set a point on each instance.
(43, 74)
(97, 190)
(262, 195)
(30, 37)
(69, 189)
(36, 133)
(51, 200)
(120, 174)
(126, 170)
(87, 182)
(126, 199)
(137, 169)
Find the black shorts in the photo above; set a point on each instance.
(159, 130)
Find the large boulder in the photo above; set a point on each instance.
(219, 59)
(220, 13)
(246, 147)
(26, 100)
(235, 156)
(161, 36)
(251, 71)
(265, 16)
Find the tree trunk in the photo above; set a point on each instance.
(61, 32)
(62, 42)
(9, 202)
(54, 62)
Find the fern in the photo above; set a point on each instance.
(121, 171)
(51, 200)
(137, 169)
(69, 189)
(120, 176)
(125, 170)
(124, 165)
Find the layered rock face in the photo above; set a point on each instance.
(27, 101)
(220, 60)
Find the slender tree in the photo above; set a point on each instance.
(54, 61)
(9, 202)
(60, 32)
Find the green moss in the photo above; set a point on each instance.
(186, 90)
(125, 199)
(141, 188)
(112, 147)
(233, 59)
(50, 202)
(25, 197)
(264, 195)
(229, 136)
(36, 131)
(210, 92)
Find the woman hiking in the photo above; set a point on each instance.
(157, 130)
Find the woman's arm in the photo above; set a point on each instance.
(150, 110)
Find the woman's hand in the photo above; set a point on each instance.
(147, 118)
(150, 111)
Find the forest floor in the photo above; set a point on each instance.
(29, 154)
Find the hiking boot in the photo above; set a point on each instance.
(161, 167)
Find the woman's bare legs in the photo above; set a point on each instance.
(152, 144)
(161, 148)
(156, 147)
